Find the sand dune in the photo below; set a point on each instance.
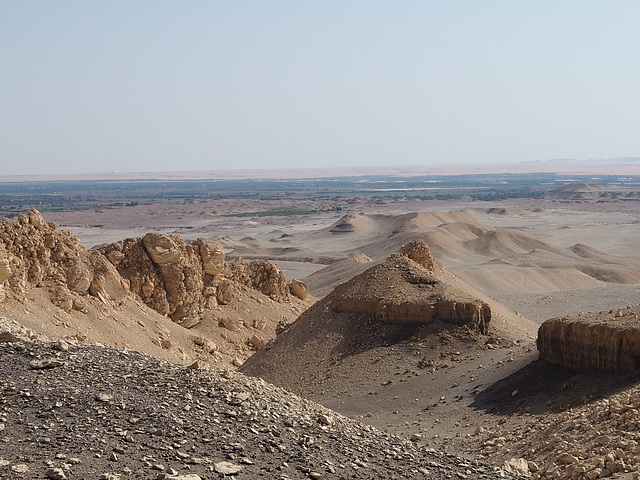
(493, 260)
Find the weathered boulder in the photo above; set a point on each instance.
(606, 341)
(107, 284)
(419, 252)
(165, 271)
(5, 268)
(212, 256)
(261, 275)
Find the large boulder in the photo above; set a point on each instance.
(607, 341)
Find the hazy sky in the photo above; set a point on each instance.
(101, 86)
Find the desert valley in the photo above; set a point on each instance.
(379, 326)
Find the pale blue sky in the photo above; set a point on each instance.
(126, 86)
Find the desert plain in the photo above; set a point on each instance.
(566, 249)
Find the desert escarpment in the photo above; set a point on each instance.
(607, 341)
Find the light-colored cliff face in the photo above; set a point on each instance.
(606, 341)
(140, 292)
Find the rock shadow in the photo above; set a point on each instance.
(365, 332)
(543, 387)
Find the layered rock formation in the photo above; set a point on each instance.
(405, 289)
(34, 252)
(606, 341)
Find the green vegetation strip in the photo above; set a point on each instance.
(273, 213)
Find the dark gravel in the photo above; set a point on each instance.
(90, 412)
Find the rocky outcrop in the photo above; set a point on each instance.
(182, 279)
(419, 252)
(34, 252)
(406, 289)
(606, 341)
(178, 279)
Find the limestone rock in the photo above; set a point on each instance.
(212, 256)
(5, 268)
(517, 465)
(598, 342)
(419, 252)
(299, 289)
(182, 279)
(261, 275)
(33, 252)
(107, 282)
(227, 468)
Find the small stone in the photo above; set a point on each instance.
(109, 476)
(325, 419)
(227, 468)
(45, 363)
(103, 397)
(61, 346)
(56, 474)
(20, 468)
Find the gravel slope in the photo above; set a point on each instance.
(86, 412)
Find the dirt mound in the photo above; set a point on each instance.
(579, 191)
(504, 211)
(390, 303)
(577, 187)
(406, 289)
(607, 341)
(352, 224)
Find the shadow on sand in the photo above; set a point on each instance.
(542, 387)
